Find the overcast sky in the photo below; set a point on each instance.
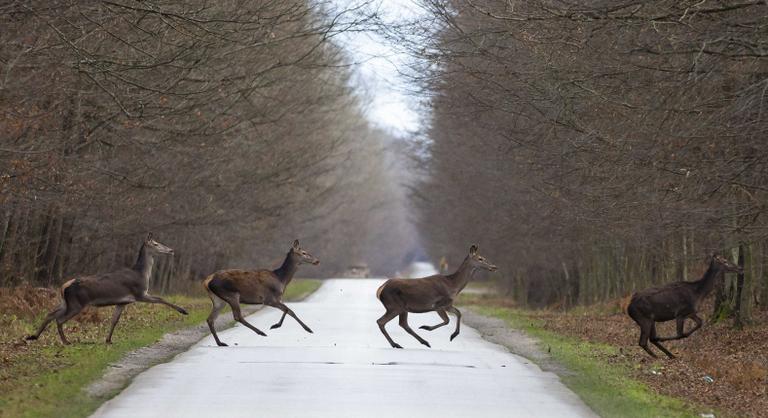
(389, 105)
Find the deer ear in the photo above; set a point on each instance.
(149, 236)
(296, 244)
(473, 249)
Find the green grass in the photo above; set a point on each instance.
(300, 289)
(605, 386)
(46, 379)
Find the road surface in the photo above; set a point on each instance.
(345, 369)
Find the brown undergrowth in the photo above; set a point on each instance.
(718, 366)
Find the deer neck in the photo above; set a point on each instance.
(286, 271)
(462, 276)
(144, 263)
(705, 285)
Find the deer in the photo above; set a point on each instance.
(256, 287)
(427, 294)
(675, 301)
(118, 288)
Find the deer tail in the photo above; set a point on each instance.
(71, 283)
(624, 303)
(207, 282)
(65, 286)
(380, 289)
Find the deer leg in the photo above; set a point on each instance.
(456, 312)
(388, 316)
(443, 315)
(681, 328)
(680, 324)
(645, 331)
(280, 322)
(287, 310)
(48, 318)
(115, 317)
(235, 305)
(655, 341)
(72, 310)
(698, 322)
(218, 304)
(404, 325)
(147, 298)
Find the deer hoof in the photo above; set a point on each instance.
(396, 345)
(221, 344)
(275, 326)
(454, 336)
(261, 333)
(308, 330)
(183, 311)
(426, 343)
(30, 337)
(426, 327)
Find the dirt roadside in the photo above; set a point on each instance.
(517, 342)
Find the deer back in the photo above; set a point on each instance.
(121, 286)
(417, 295)
(252, 286)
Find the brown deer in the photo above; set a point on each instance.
(118, 288)
(427, 294)
(678, 301)
(258, 287)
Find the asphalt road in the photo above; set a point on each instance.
(345, 369)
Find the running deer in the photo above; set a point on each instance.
(118, 288)
(427, 294)
(678, 301)
(258, 287)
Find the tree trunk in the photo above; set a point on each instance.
(743, 298)
(763, 275)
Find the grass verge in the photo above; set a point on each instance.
(603, 383)
(46, 379)
(299, 289)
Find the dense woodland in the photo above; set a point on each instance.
(591, 147)
(227, 128)
(597, 147)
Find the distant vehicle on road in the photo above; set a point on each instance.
(357, 270)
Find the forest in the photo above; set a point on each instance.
(590, 148)
(594, 148)
(228, 129)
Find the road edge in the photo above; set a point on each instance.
(518, 342)
(120, 374)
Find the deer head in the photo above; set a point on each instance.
(726, 264)
(304, 257)
(478, 261)
(155, 246)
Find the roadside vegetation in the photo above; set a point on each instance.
(46, 379)
(718, 370)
